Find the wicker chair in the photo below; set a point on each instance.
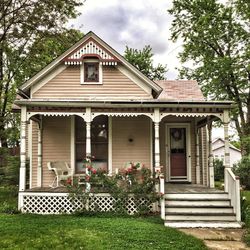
(62, 171)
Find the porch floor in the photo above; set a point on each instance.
(170, 188)
(175, 188)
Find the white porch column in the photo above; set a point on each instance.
(39, 155)
(210, 156)
(88, 132)
(22, 175)
(198, 179)
(227, 152)
(157, 139)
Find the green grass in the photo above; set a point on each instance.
(26, 231)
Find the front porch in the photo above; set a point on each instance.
(174, 140)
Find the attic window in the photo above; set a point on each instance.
(91, 71)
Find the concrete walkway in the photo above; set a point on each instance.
(219, 239)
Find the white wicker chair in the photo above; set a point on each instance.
(62, 171)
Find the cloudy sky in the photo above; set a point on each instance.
(134, 23)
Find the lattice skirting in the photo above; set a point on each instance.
(58, 203)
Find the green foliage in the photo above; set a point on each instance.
(143, 60)
(32, 34)
(218, 170)
(216, 40)
(242, 169)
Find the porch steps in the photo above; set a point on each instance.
(199, 210)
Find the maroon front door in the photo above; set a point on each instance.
(178, 153)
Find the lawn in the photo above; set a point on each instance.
(19, 231)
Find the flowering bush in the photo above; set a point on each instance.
(136, 180)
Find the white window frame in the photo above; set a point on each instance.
(82, 71)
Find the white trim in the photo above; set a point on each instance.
(188, 151)
(47, 78)
(134, 78)
(188, 114)
(197, 152)
(72, 143)
(110, 145)
(39, 155)
(151, 145)
(100, 73)
(30, 150)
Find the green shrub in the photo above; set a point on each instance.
(9, 208)
(11, 170)
(242, 169)
(218, 170)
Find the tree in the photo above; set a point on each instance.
(216, 39)
(142, 60)
(22, 24)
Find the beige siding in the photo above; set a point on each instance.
(137, 128)
(163, 143)
(67, 85)
(56, 144)
(34, 152)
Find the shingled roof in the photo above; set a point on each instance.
(180, 90)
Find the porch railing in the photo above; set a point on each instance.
(162, 192)
(233, 188)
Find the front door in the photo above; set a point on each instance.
(177, 147)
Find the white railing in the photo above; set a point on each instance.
(162, 192)
(233, 189)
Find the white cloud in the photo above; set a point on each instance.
(133, 23)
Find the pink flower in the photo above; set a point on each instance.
(129, 170)
(94, 171)
(69, 181)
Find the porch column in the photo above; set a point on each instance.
(22, 175)
(88, 132)
(227, 152)
(157, 139)
(39, 155)
(197, 130)
(210, 155)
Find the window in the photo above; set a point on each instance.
(99, 143)
(91, 72)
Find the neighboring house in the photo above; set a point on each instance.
(91, 101)
(218, 147)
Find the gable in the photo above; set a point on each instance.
(89, 46)
(115, 85)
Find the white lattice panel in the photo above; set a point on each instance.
(40, 203)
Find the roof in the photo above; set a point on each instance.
(68, 52)
(221, 146)
(181, 90)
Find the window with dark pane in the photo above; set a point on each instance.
(99, 143)
(91, 72)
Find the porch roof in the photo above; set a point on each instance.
(124, 103)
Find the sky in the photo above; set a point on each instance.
(133, 23)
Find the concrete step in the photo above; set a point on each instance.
(198, 202)
(200, 217)
(198, 209)
(207, 196)
(204, 224)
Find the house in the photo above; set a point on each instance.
(91, 101)
(218, 147)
